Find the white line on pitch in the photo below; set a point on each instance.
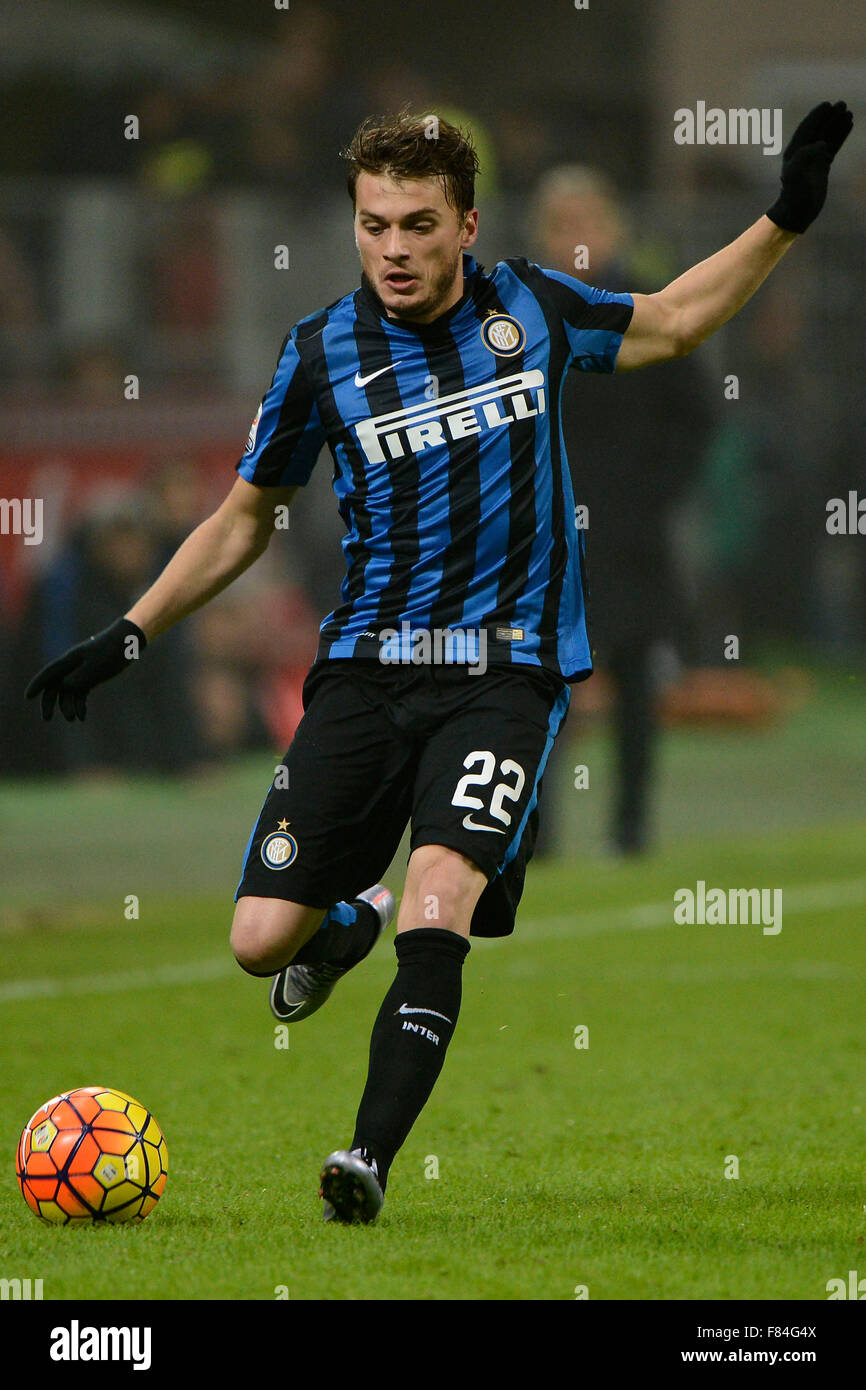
(815, 897)
(194, 972)
(812, 897)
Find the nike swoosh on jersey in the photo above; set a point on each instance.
(469, 824)
(361, 381)
(404, 1009)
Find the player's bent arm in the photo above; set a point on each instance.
(675, 320)
(211, 557)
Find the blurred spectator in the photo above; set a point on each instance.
(634, 444)
(761, 493)
(86, 129)
(179, 503)
(182, 277)
(298, 103)
(110, 558)
(11, 760)
(766, 488)
(254, 646)
(174, 157)
(525, 144)
(19, 302)
(21, 313)
(93, 372)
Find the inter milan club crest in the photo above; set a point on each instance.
(503, 335)
(279, 848)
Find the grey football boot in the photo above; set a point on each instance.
(350, 1188)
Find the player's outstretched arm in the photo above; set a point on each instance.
(676, 319)
(211, 557)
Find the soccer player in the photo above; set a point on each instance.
(443, 677)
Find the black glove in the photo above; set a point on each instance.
(806, 164)
(71, 677)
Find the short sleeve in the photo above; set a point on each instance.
(594, 320)
(287, 435)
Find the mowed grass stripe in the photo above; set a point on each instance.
(816, 897)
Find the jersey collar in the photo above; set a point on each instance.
(471, 273)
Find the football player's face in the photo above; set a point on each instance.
(410, 241)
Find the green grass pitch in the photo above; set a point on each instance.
(558, 1167)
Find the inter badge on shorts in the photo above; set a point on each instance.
(279, 849)
(503, 335)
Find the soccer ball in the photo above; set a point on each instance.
(93, 1154)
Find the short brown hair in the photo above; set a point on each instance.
(413, 146)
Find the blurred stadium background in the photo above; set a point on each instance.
(154, 257)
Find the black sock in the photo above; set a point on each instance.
(347, 931)
(411, 1033)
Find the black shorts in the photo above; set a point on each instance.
(460, 754)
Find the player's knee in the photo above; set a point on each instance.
(266, 933)
(253, 950)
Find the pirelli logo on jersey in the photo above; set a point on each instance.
(440, 421)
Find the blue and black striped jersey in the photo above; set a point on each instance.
(449, 464)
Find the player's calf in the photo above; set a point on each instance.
(410, 1038)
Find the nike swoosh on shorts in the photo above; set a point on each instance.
(469, 824)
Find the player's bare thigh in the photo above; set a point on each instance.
(268, 932)
(442, 888)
